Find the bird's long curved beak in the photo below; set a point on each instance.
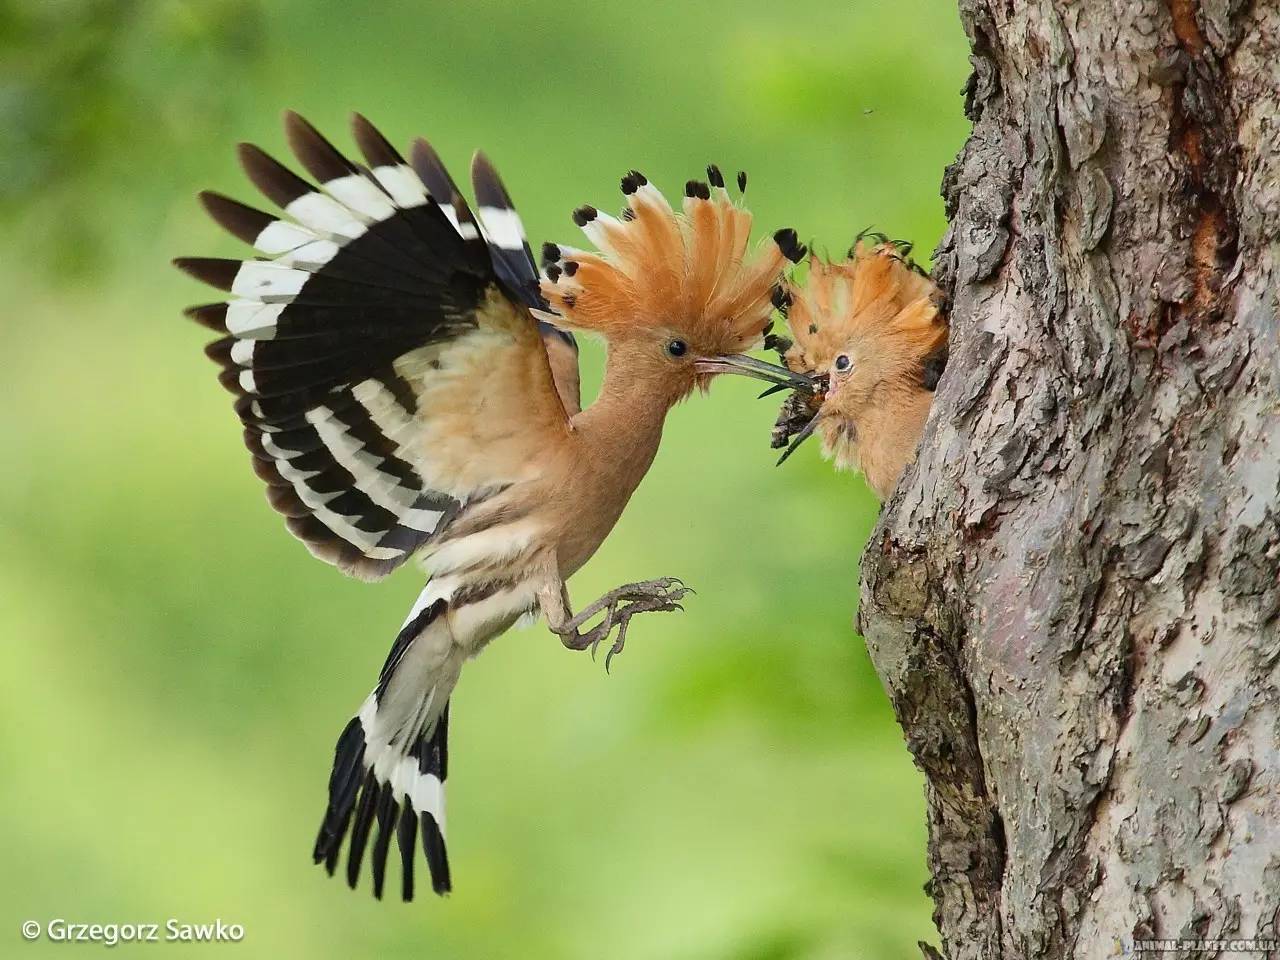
(751, 367)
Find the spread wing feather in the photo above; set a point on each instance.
(513, 260)
(377, 308)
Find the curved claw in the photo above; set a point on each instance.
(605, 627)
(617, 644)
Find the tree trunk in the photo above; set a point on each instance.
(1073, 598)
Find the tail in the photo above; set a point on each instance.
(391, 761)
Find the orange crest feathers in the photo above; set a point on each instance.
(874, 294)
(655, 267)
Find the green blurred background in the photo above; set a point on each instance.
(176, 668)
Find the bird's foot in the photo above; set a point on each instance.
(619, 606)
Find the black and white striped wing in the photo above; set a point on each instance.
(513, 260)
(373, 266)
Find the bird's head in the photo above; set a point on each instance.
(869, 330)
(677, 294)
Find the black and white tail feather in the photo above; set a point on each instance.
(391, 762)
(379, 261)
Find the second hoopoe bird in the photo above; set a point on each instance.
(408, 388)
(871, 332)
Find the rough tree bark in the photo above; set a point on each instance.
(1073, 599)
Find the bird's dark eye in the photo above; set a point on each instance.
(677, 348)
(843, 362)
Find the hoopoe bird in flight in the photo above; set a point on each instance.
(870, 331)
(408, 386)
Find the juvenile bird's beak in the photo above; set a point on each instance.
(751, 367)
(800, 438)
